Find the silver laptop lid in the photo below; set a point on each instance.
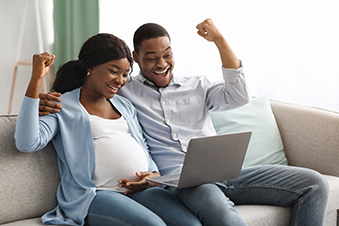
(214, 158)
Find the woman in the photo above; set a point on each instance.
(98, 141)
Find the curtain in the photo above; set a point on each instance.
(74, 22)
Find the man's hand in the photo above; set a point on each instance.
(142, 184)
(210, 32)
(46, 106)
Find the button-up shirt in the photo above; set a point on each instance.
(172, 115)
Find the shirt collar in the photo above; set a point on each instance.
(143, 80)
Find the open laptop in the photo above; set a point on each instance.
(210, 159)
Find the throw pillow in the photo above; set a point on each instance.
(265, 146)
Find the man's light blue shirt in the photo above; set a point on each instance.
(172, 115)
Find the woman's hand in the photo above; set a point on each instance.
(142, 184)
(41, 64)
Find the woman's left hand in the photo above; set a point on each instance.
(142, 184)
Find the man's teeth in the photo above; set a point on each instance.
(161, 72)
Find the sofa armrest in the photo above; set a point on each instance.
(310, 136)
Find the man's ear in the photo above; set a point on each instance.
(135, 57)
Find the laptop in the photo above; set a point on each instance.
(210, 159)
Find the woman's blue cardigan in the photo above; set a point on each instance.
(71, 135)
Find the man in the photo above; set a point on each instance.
(172, 110)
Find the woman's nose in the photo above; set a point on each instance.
(120, 79)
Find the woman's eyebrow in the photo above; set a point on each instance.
(117, 67)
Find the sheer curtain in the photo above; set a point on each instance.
(289, 48)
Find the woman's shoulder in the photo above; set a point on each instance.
(122, 103)
(71, 94)
(120, 99)
(70, 100)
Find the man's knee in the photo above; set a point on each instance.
(320, 184)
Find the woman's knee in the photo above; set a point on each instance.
(112, 208)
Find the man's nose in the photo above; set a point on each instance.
(161, 63)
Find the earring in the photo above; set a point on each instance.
(89, 73)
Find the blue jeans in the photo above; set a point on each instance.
(151, 207)
(305, 190)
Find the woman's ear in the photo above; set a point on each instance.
(135, 57)
(89, 71)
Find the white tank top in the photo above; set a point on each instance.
(117, 154)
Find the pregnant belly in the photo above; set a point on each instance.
(118, 160)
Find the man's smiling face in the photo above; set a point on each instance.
(155, 60)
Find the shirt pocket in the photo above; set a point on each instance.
(189, 109)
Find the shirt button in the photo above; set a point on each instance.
(167, 120)
(184, 147)
(163, 103)
(175, 135)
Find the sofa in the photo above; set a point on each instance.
(310, 138)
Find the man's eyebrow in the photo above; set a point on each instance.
(152, 52)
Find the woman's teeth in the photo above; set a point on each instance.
(112, 87)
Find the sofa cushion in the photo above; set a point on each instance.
(266, 145)
(261, 215)
(29, 222)
(28, 180)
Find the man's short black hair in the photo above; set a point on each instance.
(148, 31)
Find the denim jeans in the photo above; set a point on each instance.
(151, 207)
(305, 190)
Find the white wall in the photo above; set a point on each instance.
(11, 14)
(290, 48)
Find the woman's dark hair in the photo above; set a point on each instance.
(98, 49)
(148, 31)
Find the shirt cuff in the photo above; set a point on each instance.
(231, 74)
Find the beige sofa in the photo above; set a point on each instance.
(310, 137)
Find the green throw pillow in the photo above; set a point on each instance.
(265, 146)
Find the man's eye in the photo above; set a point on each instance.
(168, 55)
(150, 59)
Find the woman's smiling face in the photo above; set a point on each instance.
(106, 79)
(156, 60)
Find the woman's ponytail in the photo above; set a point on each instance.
(69, 76)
